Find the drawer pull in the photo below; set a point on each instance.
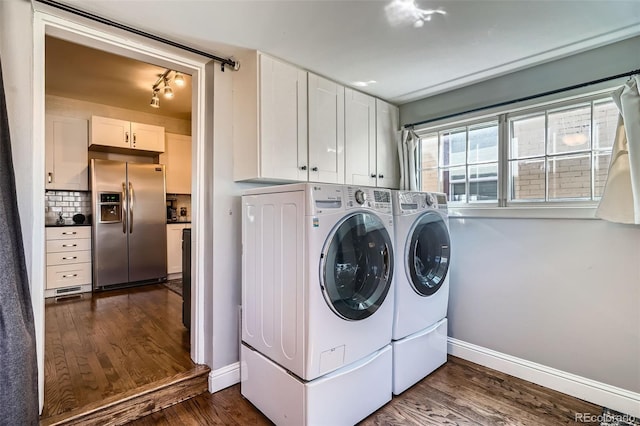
(69, 233)
(70, 258)
(69, 245)
(70, 276)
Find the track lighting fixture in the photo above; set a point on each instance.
(168, 91)
(165, 79)
(155, 100)
(178, 79)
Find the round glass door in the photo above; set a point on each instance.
(357, 266)
(428, 254)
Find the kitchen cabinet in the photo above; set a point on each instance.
(326, 130)
(270, 120)
(177, 161)
(174, 247)
(114, 133)
(371, 154)
(66, 161)
(68, 251)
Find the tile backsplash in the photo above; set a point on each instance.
(66, 202)
(179, 201)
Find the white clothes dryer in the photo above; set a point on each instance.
(317, 299)
(422, 244)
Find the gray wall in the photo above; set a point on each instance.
(560, 292)
(591, 65)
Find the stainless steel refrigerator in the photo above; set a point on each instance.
(129, 223)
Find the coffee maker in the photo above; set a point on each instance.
(172, 212)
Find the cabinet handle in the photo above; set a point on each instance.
(126, 137)
(134, 138)
(303, 167)
(49, 177)
(69, 233)
(69, 245)
(373, 175)
(314, 169)
(70, 258)
(70, 276)
(381, 176)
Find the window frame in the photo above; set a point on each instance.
(504, 206)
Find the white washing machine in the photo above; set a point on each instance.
(317, 301)
(421, 286)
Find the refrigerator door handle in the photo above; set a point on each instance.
(131, 198)
(124, 207)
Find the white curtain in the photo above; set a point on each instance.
(408, 143)
(620, 200)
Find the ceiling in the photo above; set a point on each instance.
(362, 40)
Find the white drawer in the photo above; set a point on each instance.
(66, 232)
(68, 275)
(55, 246)
(68, 257)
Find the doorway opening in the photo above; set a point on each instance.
(97, 342)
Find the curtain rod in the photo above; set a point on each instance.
(224, 61)
(526, 98)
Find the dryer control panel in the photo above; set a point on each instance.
(378, 199)
(411, 202)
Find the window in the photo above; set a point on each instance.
(558, 152)
(462, 162)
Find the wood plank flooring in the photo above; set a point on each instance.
(106, 344)
(458, 393)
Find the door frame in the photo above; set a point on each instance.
(82, 31)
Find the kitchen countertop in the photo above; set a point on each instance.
(53, 225)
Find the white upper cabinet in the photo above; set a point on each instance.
(270, 120)
(177, 162)
(326, 130)
(66, 161)
(360, 138)
(387, 163)
(114, 133)
(290, 125)
(147, 137)
(371, 154)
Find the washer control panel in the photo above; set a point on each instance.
(378, 199)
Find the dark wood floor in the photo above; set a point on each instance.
(104, 344)
(459, 393)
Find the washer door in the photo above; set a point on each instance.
(356, 267)
(428, 254)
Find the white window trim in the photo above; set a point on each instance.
(503, 208)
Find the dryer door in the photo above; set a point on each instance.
(427, 254)
(357, 266)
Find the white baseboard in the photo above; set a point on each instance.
(599, 393)
(224, 377)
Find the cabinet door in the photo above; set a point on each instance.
(326, 130)
(110, 132)
(177, 161)
(359, 144)
(174, 248)
(387, 166)
(66, 160)
(283, 121)
(147, 137)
